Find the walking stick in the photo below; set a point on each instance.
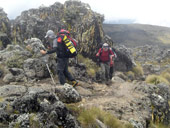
(51, 74)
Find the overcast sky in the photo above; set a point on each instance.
(154, 12)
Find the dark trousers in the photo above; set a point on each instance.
(112, 70)
(63, 73)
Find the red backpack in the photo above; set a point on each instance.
(66, 44)
(65, 32)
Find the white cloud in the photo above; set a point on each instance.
(155, 12)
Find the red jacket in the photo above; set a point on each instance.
(105, 55)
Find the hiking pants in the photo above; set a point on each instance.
(105, 67)
(62, 68)
(112, 70)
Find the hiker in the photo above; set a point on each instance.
(58, 46)
(112, 67)
(104, 55)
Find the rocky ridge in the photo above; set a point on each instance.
(29, 98)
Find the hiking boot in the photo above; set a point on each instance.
(74, 83)
(108, 83)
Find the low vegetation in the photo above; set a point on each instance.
(16, 61)
(88, 118)
(152, 125)
(91, 66)
(156, 79)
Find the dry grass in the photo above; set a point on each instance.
(138, 70)
(88, 118)
(155, 79)
(91, 66)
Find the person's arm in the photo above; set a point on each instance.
(53, 50)
(49, 51)
(111, 53)
(98, 53)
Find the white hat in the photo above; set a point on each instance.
(50, 34)
(105, 45)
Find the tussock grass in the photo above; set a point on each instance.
(166, 75)
(155, 79)
(88, 117)
(152, 125)
(91, 66)
(130, 75)
(138, 70)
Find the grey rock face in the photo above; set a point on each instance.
(4, 29)
(83, 24)
(51, 111)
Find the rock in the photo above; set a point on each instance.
(8, 78)
(12, 90)
(68, 94)
(4, 29)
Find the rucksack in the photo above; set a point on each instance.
(68, 44)
(111, 50)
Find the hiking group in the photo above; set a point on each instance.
(65, 48)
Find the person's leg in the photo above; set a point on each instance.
(60, 71)
(107, 71)
(111, 72)
(66, 72)
(103, 75)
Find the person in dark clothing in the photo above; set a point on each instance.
(62, 59)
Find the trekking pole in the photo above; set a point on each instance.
(46, 63)
(51, 75)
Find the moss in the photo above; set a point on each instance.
(16, 61)
(155, 79)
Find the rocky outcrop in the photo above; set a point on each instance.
(84, 24)
(21, 106)
(154, 59)
(4, 29)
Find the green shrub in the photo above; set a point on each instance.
(155, 79)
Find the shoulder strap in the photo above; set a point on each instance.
(101, 51)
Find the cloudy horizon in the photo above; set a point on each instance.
(134, 11)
